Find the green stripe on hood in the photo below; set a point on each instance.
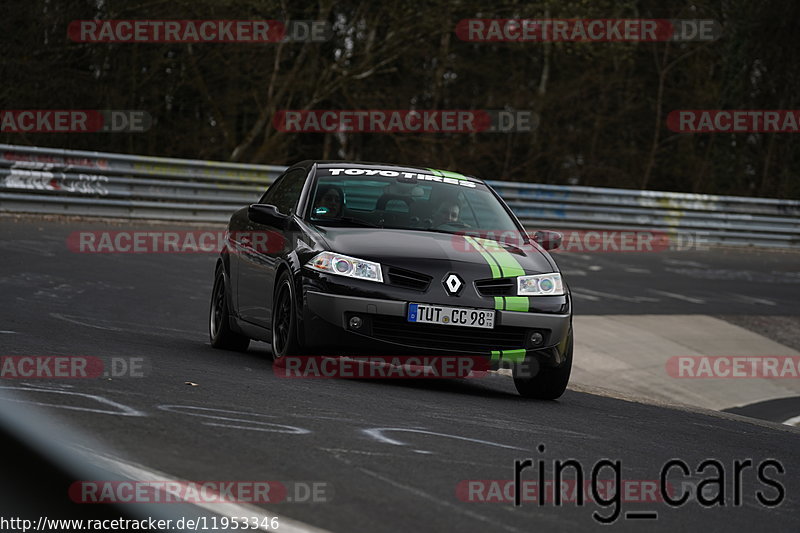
(509, 266)
(486, 256)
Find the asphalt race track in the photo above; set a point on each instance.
(391, 453)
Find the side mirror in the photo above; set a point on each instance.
(549, 240)
(267, 215)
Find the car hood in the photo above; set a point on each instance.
(432, 252)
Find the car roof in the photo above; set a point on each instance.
(387, 166)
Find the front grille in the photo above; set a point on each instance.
(408, 279)
(495, 287)
(453, 338)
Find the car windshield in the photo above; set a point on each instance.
(414, 201)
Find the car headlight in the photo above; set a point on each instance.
(343, 265)
(540, 285)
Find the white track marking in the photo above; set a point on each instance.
(750, 299)
(137, 472)
(74, 320)
(437, 500)
(143, 328)
(680, 262)
(6, 331)
(589, 297)
(48, 386)
(611, 296)
(291, 430)
(679, 296)
(634, 270)
(377, 434)
(794, 421)
(123, 410)
(254, 425)
(356, 452)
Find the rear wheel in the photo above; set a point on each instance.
(534, 380)
(284, 319)
(219, 329)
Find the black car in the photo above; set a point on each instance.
(340, 257)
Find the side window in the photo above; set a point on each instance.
(286, 191)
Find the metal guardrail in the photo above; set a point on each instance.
(732, 220)
(51, 181)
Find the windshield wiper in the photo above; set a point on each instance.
(350, 220)
(433, 230)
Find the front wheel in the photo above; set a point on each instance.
(284, 319)
(534, 380)
(219, 328)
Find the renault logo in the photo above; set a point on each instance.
(453, 283)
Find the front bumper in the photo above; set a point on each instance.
(385, 331)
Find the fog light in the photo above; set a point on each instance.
(356, 322)
(536, 338)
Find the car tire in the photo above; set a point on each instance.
(284, 319)
(549, 382)
(219, 328)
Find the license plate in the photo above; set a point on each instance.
(451, 316)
